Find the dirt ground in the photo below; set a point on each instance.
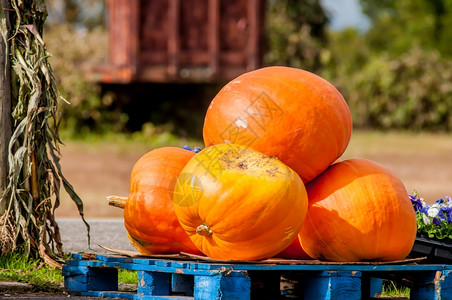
(96, 172)
(422, 161)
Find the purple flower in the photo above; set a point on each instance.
(196, 149)
(440, 201)
(439, 213)
(447, 212)
(417, 204)
(443, 213)
(436, 221)
(425, 209)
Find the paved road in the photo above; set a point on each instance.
(106, 232)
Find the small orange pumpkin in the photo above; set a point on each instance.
(282, 112)
(149, 217)
(358, 211)
(238, 204)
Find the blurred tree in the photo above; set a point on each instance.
(80, 24)
(407, 23)
(345, 54)
(87, 14)
(87, 110)
(397, 74)
(296, 33)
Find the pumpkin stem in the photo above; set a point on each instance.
(117, 201)
(204, 230)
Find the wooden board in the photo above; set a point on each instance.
(185, 256)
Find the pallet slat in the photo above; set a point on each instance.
(334, 285)
(83, 278)
(235, 285)
(97, 276)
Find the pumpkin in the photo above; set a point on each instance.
(238, 204)
(152, 225)
(294, 251)
(358, 211)
(283, 112)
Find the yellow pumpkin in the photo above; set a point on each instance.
(238, 204)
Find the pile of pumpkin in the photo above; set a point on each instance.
(269, 182)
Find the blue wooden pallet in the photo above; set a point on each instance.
(194, 279)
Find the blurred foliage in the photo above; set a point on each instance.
(395, 75)
(81, 13)
(409, 91)
(74, 51)
(400, 25)
(296, 33)
(77, 38)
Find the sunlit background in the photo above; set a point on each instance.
(390, 59)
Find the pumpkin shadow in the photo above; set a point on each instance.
(340, 234)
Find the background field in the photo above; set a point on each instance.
(423, 162)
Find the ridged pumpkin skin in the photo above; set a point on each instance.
(282, 112)
(238, 204)
(149, 217)
(358, 211)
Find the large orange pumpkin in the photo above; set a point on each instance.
(149, 217)
(283, 112)
(238, 204)
(358, 211)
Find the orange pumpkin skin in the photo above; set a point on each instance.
(358, 211)
(294, 251)
(238, 204)
(282, 112)
(149, 217)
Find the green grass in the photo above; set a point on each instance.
(127, 276)
(142, 139)
(123, 143)
(17, 267)
(392, 289)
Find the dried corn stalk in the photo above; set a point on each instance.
(35, 177)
